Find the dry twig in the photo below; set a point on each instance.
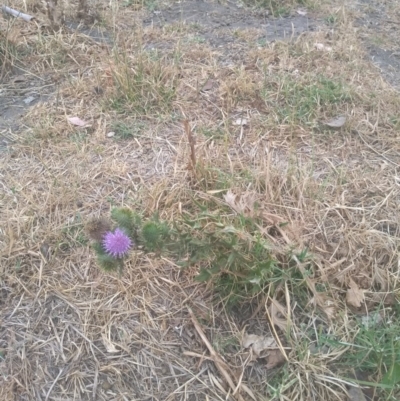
(223, 368)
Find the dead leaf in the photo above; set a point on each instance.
(264, 347)
(354, 295)
(243, 203)
(258, 344)
(275, 358)
(337, 122)
(330, 312)
(302, 12)
(78, 122)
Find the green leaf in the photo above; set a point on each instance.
(392, 377)
(98, 248)
(108, 263)
(125, 218)
(204, 275)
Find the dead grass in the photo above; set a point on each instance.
(70, 331)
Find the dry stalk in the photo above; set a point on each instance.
(192, 143)
(223, 368)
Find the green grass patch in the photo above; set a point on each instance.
(125, 131)
(303, 101)
(212, 133)
(374, 351)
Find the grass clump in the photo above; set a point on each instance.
(144, 86)
(125, 131)
(374, 353)
(301, 102)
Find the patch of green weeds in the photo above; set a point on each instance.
(127, 131)
(299, 101)
(395, 121)
(196, 39)
(214, 133)
(331, 19)
(79, 138)
(262, 42)
(278, 383)
(151, 5)
(227, 249)
(374, 351)
(377, 40)
(213, 179)
(178, 27)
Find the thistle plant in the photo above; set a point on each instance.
(111, 246)
(231, 254)
(117, 244)
(113, 239)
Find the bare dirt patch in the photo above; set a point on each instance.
(218, 23)
(378, 24)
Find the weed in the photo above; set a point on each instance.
(331, 19)
(195, 39)
(296, 101)
(126, 131)
(144, 86)
(374, 351)
(79, 138)
(228, 251)
(151, 5)
(336, 191)
(214, 133)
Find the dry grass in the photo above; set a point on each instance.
(72, 332)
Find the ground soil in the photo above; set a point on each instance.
(220, 25)
(214, 22)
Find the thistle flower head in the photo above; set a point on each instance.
(117, 244)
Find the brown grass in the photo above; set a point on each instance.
(72, 332)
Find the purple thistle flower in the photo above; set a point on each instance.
(117, 243)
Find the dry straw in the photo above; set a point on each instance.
(72, 332)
